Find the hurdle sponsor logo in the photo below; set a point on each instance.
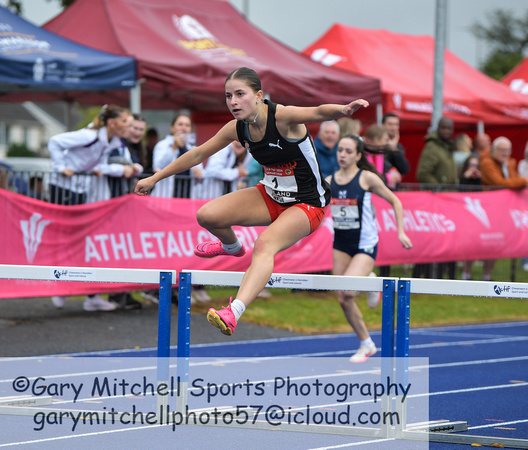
(289, 281)
(68, 274)
(508, 290)
(32, 231)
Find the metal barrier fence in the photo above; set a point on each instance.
(39, 185)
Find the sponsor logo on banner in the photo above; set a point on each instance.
(203, 42)
(475, 208)
(32, 231)
(323, 56)
(520, 218)
(154, 245)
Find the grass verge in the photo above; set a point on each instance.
(316, 312)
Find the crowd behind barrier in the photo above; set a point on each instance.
(35, 184)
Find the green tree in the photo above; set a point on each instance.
(507, 33)
(18, 149)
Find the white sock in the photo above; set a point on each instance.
(368, 342)
(238, 308)
(232, 248)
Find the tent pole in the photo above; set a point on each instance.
(379, 113)
(480, 127)
(440, 38)
(135, 99)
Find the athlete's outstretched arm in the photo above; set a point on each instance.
(290, 115)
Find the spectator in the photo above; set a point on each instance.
(481, 145)
(256, 173)
(79, 152)
(151, 139)
(349, 126)
(499, 169)
(463, 145)
(377, 143)
(356, 238)
(176, 144)
(470, 172)
(470, 176)
(225, 172)
(437, 165)
(134, 140)
(120, 166)
(326, 147)
(522, 169)
(395, 154)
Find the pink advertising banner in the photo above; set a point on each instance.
(158, 233)
(125, 232)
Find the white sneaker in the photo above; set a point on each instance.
(97, 303)
(264, 294)
(200, 295)
(151, 296)
(58, 301)
(363, 352)
(373, 298)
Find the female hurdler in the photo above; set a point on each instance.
(355, 233)
(291, 198)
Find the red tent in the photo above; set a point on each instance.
(517, 78)
(184, 51)
(405, 66)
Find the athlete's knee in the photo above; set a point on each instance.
(346, 298)
(263, 246)
(208, 216)
(204, 217)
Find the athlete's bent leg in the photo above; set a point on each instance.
(291, 226)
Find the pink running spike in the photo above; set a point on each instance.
(212, 249)
(223, 320)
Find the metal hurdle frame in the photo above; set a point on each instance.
(318, 282)
(23, 405)
(394, 342)
(445, 431)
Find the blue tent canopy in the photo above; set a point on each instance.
(36, 60)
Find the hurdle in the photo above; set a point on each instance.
(166, 279)
(447, 432)
(395, 338)
(298, 281)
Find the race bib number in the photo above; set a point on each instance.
(345, 213)
(280, 184)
